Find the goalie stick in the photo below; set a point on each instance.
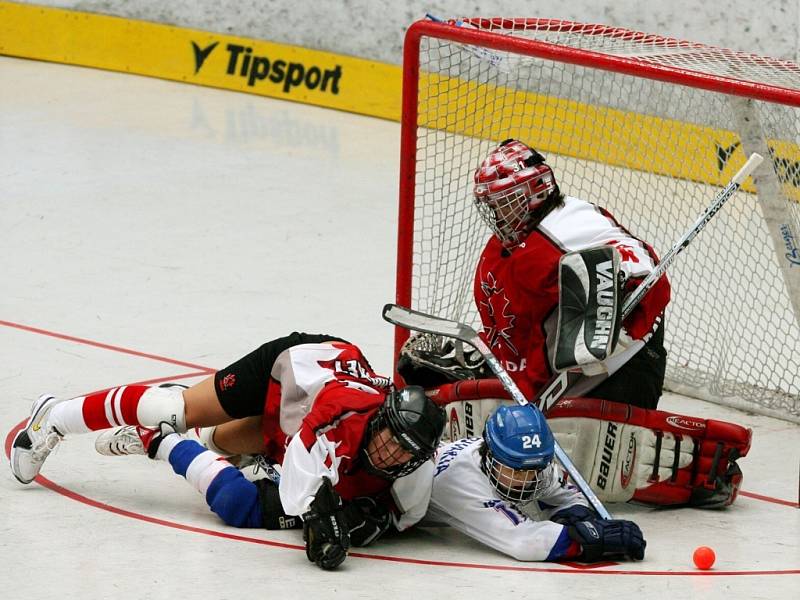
(412, 319)
(560, 383)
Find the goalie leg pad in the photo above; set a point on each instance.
(651, 456)
(466, 419)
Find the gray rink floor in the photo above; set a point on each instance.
(155, 231)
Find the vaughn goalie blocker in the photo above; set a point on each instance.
(548, 287)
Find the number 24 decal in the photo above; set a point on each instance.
(529, 441)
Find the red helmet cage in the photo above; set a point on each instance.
(509, 184)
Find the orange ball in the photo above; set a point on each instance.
(704, 558)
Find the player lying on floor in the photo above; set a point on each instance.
(311, 402)
(503, 489)
(626, 453)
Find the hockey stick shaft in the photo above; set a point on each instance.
(560, 383)
(719, 200)
(412, 319)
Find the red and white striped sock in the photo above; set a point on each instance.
(140, 405)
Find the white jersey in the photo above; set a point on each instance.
(464, 498)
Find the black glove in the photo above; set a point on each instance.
(615, 538)
(367, 520)
(574, 514)
(325, 530)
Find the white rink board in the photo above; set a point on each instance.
(194, 224)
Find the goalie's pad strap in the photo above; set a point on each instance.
(651, 456)
(588, 308)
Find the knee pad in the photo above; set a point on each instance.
(159, 404)
(206, 437)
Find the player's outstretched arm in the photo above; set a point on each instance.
(325, 529)
(608, 539)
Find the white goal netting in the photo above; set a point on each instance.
(648, 127)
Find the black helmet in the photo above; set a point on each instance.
(415, 421)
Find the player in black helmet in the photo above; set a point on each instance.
(341, 434)
(416, 424)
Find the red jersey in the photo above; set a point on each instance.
(319, 402)
(516, 291)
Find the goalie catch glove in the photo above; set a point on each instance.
(429, 361)
(325, 529)
(615, 538)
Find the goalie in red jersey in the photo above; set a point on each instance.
(549, 286)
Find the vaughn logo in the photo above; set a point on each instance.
(605, 305)
(686, 423)
(201, 54)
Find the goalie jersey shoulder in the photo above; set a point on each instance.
(579, 225)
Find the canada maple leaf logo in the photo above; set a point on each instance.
(496, 306)
(626, 252)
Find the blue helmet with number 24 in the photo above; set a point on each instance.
(517, 453)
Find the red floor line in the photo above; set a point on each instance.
(598, 570)
(769, 499)
(437, 563)
(160, 380)
(105, 346)
(205, 371)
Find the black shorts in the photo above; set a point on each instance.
(242, 386)
(640, 381)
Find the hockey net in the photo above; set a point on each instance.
(645, 126)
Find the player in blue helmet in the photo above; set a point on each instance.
(517, 453)
(505, 490)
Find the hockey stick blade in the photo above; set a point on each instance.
(418, 321)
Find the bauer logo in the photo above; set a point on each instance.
(608, 454)
(686, 423)
(409, 443)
